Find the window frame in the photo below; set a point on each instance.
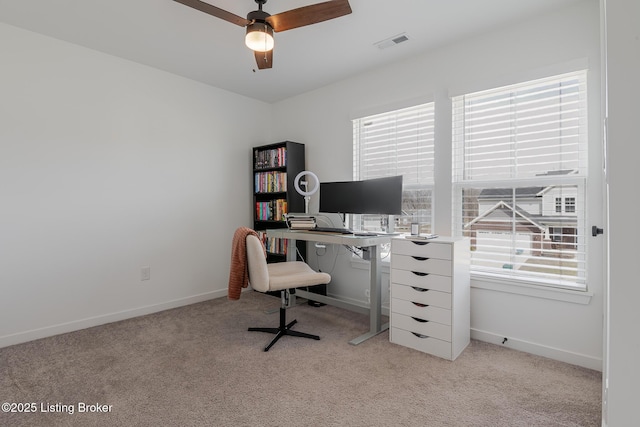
(425, 111)
(460, 181)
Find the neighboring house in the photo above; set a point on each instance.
(536, 221)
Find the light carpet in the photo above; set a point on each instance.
(199, 366)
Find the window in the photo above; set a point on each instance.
(519, 152)
(570, 204)
(399, 142)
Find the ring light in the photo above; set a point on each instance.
(306, 192)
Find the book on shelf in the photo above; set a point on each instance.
(270, 158)
(272, 210)
(270, 182)
(273, 245)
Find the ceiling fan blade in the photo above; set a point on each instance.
(215, 11)
(308, 15)
(264, 59)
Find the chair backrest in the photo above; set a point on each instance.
(257, 264)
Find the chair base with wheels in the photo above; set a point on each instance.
(284, 328)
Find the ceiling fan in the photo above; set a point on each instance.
(261, 25)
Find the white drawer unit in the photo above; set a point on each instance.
(430, 295)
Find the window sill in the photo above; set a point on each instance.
(504, 285)
(530, 289)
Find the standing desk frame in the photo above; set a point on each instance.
(375, 281)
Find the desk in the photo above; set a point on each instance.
(375, 281)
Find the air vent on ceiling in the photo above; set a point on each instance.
(392, 41)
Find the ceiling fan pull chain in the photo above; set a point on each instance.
(265, 41)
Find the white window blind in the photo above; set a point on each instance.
(519, 174)
(395, 143)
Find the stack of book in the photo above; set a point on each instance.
(301, 222)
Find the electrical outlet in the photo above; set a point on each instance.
(145, 273)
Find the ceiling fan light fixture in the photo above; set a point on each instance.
(259, 37)
(260, 25)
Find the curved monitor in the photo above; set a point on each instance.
(372, 196)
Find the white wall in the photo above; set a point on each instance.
(556, 43)
(623, 51)
(107, 166)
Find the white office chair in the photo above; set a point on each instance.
(281, 276)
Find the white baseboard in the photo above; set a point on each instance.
(539, 350)
(77, 325)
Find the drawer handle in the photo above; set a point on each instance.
(415, 242)
(419, 273)
(417, 289)
(420, 335)
(419, 320)
(419, 258)
(417, 304)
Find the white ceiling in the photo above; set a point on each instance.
(170, 36)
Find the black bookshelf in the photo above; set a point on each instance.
(275, 167)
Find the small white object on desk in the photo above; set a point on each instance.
(415, 229)
(422, 236)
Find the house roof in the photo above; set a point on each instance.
(502, 206)
(521, 192)
(524, 192)
(559, 172)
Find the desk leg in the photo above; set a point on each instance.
(375, 289)
(375, 298)
(292, 255)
